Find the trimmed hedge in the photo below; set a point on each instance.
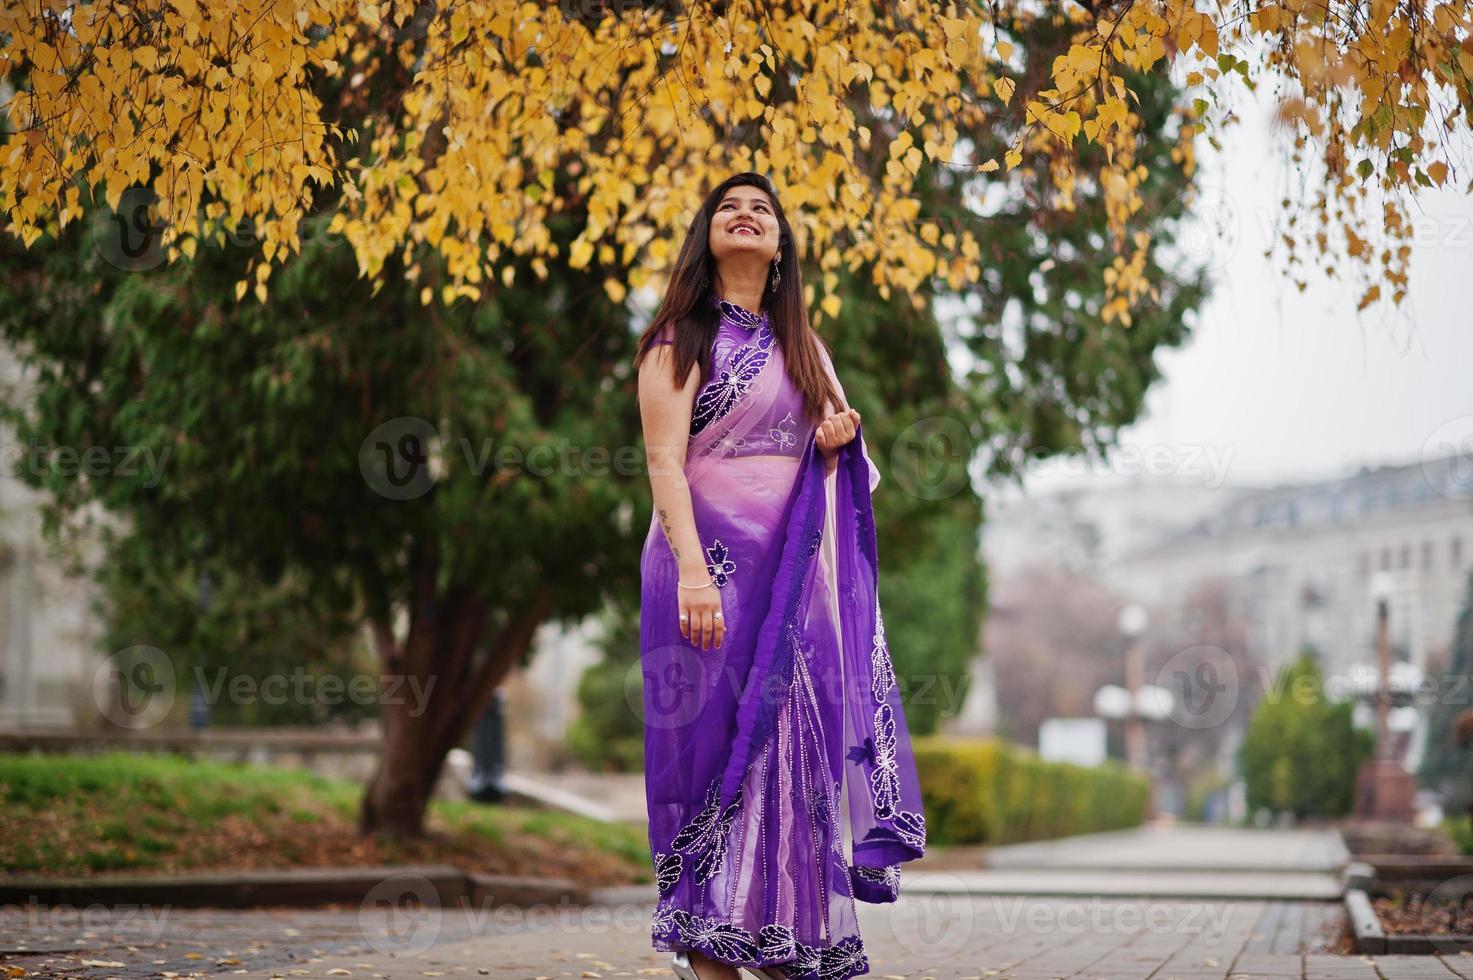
(984, 791)
(1460, 830)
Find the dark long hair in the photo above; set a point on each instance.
(688, 311)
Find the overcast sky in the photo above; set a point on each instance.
(1277, 385)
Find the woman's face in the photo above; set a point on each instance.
(744, 227)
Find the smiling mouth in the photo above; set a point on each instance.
(737, 230)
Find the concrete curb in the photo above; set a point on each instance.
(1342, 856)
(1369, 936)
(1357, 875)
(1402, 866)
(440, 884)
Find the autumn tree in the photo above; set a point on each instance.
(370, 211)
(220, 109)
(1446, 766)
(274, 390)
(1301, 751)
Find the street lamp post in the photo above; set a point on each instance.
(1137, 702)
(1382, 589)
(1132, 623)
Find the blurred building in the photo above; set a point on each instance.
(1300, 561)
(1294, 566)
(1089, 529)
(48, 631)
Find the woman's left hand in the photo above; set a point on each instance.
(834, 431)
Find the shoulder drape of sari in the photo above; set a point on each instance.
(765, 757)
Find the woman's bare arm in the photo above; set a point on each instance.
(665, 412)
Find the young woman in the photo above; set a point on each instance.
(778, 769)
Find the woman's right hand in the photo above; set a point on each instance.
(698, 609)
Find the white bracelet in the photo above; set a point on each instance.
(684, 586)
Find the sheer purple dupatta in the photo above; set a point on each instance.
(832, 517)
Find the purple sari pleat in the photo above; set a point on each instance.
(779, 775)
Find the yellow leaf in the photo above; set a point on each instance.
(1069, 124)
(1004, 89)
(580, 253)
(831, 305)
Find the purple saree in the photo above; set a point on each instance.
(778, 769)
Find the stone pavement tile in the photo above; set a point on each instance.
(1324, 924)
(1326, 967)
(1264, 937)
(1460, 963)
(1077, 938)
(1408, 967)
(129, 941)
(1289, 935)
(1265, 965)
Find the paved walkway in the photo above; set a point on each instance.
(1181, 861)
(1322, 886)
(937, 936)
(600, 795)
(954, 922)
(1179, 846)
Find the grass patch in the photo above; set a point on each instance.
(75, 815)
